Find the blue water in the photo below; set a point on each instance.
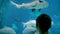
(13, 15)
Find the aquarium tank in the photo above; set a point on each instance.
(19, 16)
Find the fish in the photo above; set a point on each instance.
(29, 23)
(36, 4)
(7, 30)
(29, 27)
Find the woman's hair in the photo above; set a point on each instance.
(43, 22)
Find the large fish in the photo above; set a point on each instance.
(37, 4)
(29, 27)
(7, 30)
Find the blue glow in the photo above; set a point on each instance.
(10, 12)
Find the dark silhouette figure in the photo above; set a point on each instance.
(43, 23)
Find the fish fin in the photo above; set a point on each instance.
(39, 9)
(33, 10)
(23, 24)
(17, 5)
(40, 1)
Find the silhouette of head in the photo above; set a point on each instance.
(43, 22)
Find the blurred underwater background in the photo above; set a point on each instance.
(14, 17)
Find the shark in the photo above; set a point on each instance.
(36, 4)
